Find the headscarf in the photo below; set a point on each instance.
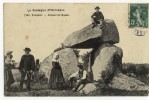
(8, 57)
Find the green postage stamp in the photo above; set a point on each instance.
(138, 15)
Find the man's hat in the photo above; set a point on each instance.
(27, 49)
(9, 52)
(80, 66)
(97, 7)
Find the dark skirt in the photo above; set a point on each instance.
(56, 80)
(8, 77)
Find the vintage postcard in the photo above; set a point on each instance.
(76, 49)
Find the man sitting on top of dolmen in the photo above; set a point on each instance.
(97, 18)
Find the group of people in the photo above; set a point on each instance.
(27, 67)
(56, 80)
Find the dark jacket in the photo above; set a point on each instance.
(98, 15)
(27, 62)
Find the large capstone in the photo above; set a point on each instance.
(91, 37)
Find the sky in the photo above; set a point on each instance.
(45, 33)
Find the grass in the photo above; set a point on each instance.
(106, 91)
(39, 87)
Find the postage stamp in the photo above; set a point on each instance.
(138, 15)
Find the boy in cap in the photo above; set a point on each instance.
(80, 77)
(97, 18)
(26, 67)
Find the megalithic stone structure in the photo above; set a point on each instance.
(105, 60)
(91, 37)
(97, 39)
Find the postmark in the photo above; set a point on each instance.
(138, 16)
(139, 32)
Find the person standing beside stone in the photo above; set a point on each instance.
(97, 18)
(80, 76)
(8, 65)
(56, 79)
(26, 67)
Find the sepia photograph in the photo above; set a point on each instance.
(76, 49)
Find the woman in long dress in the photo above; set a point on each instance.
(56, 80)
(9, 64)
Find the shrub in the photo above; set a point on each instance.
(131, 70)
(142, 71)
(85, 58)
(139, 70)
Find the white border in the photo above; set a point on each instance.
(56, 1)
(77, 1)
